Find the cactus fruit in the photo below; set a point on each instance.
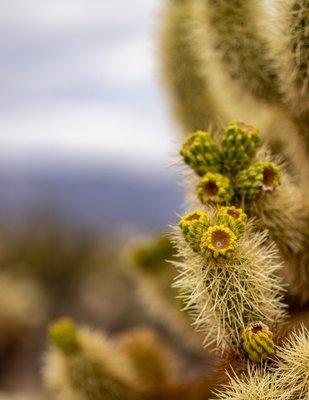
(215, 188)
(192, 226)
(258, 179)
(233, 217)
(201, 153)
(258, 342)
(217, 241)
(239, 145)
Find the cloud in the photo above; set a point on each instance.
(78, 76)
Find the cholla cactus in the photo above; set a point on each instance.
(84, 365)
(219, 65)
(230, 281)
(252, 59)
(265, 191)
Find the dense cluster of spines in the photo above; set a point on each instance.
(286, 379)
(226, 274)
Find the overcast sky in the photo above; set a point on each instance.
(79, 79)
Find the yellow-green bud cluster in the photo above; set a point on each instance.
(258, 342)
(215, 188)
(193, 225)
(216, 237)
(200, 153)
(63, 335)
(218, 240)
(239, 146)
(233, 217)
(230, 171)
(259, 178)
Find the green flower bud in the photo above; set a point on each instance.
(193, 226)
(201, 153)
(239, 146)
(233, 217)
(258, 342)
(214, 187)
(217, 241)
(63, 335)
(260, 178)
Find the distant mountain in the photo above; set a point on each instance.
(90, 197)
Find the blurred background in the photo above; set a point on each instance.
(82, 117)
(85, 163)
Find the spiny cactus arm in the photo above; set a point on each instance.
(192, 97)
(154, 361)
(256, 384)
(285, 214)
(234, 35)
(150, 256)
(84, 365)
(288, 35)
(228, 277)
(147, 262)
(22, 310)
(292, 368)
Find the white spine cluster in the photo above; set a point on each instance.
(224, 294)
